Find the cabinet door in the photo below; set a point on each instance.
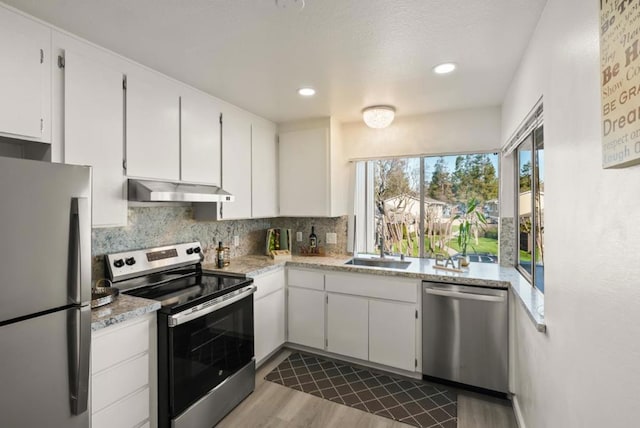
(93, 123)
(236, 164)
(269, 324)
(306, 317)
(153, 128)
(264, 178)
(304, 173)
(200, 142)
(392, 334)
(25, 77)
(348, 325)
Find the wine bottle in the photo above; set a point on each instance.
(220, 251)
(313, 239)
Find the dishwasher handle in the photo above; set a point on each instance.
(465, 295)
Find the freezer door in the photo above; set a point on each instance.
(45, 236)
(45, 370)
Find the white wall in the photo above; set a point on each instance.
(585, 371)
(447, 132)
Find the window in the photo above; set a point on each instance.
(413, 205)
(530, 207)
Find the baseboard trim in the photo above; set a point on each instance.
(518, 412)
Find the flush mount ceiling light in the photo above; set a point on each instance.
(378, 117)
(306, 92)
(445, 68)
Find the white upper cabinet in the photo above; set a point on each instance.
(314, 178)
(264, 178)
(93, 133)
(153, 126)
(236, 163)
(200, 137)
(25, 78)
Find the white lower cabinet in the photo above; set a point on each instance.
(368, 317)
(348, 325)
(306, 317)
(392, 334)
(123, 375)
(269, 314)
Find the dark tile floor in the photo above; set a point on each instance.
(415, 403)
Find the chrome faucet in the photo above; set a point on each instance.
(381, 222)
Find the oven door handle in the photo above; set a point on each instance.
(211, 306)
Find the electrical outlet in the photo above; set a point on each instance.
(332, 238)
(299, 236)
(236, 240)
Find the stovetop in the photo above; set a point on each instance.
(170, 274)
(177, 293)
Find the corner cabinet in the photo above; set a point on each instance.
(305, 308)
(124, 374)
(269, 314)
(312, 155)
(25, 78)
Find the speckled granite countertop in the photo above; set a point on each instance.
(484, 274)
(123, 309)
(479, 274)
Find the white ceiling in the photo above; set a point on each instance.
(354, 52)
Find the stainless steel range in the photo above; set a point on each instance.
(206, 363)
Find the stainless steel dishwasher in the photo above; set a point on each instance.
(465, 335)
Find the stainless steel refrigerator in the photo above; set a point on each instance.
(45, 294)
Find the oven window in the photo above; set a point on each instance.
(208, 350)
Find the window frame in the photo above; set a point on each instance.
(364, 188)
(531, 140)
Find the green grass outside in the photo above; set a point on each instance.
(485, 245)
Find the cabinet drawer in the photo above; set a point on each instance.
(306, 279)
(110, 347)
(127, 413)
(379, 287)
(268, 283)
(119, 381)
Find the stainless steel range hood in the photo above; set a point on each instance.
(165, 191)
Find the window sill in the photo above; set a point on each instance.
(532, 300)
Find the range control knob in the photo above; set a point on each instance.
(189, 251)
(118, 263)
(130, 261)
(196, 250)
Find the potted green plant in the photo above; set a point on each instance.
(471, 219)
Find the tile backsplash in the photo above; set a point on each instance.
(165, 225)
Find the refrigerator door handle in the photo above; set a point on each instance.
(79, 252)
(79, 337)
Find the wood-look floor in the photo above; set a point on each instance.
(273, 405)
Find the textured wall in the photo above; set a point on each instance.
(584, 371)
(165, 225)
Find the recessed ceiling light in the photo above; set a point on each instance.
(445, 68)
(307, 92)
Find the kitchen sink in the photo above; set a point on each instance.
(382, 263)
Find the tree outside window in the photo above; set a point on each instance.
(415, 202)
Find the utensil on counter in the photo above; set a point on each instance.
(101, 296)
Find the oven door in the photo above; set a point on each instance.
(208, 344)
